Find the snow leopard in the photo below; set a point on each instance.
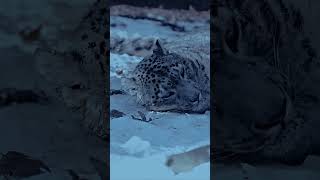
(186, 161)
(266, 93)
(176, 77)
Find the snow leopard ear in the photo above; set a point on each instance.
(159, 49)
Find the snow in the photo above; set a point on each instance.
(151, 168)
(122, 62)
(133, 28)
(141, 148)
(138, 28)
(151, 165)
(136, 145)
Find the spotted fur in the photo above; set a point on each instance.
(266, 42)
(168, 81)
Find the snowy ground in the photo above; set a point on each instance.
(143, 147)
(140, 148)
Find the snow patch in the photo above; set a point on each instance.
(122, 62)
(152, 168)
(136, 145)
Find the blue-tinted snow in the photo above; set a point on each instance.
(126, 27)
(138, 28)
(139, 147)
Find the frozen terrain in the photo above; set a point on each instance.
(141, 148)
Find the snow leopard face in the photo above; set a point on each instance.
(168, 82)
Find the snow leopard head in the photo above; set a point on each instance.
(169, 82)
